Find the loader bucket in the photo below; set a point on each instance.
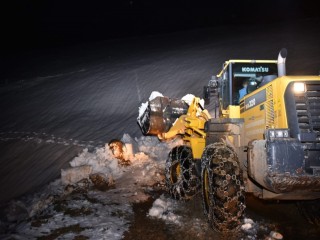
(160, 115)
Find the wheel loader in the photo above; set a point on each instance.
(266, 142)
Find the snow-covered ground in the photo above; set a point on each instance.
(64, 105)
(81, 207)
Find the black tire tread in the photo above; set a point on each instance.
(226, 192)
(188, 183)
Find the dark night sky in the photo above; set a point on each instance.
(31, 23)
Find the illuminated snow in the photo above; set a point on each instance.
(163, 208)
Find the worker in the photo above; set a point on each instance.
(243, 90)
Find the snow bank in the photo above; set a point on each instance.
(103, 219)
(157, 149)
(148, 157)
(74, 175)
(163, 208)
(101, 160)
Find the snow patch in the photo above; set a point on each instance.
(188, 98)
(144, 106)
(246, 226)
(155, 94)
(201, 102)
(100, 222)
(250, 228)
(155, 148)
(142, 109)
(163, 208)
(101, 160)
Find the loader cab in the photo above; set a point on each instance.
(241, 77)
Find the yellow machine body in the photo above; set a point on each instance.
(271, 111)
(191, 127)
(261, 109)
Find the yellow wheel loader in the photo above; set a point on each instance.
(261, 135)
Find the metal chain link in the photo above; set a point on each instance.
(187, 184)
(226, 171)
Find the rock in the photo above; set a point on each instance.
(80, 187)
(248, 220)
(124, 162)
(116, 147)
(124, 152)
(246, 226)
(101, 181)
(69, 189)
(74, 175)
(275, 235)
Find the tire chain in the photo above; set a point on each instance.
(188, 183)
(226, 191)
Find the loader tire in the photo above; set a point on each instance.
(181, 179)
(222, 188)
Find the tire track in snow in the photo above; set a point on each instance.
(47, 138)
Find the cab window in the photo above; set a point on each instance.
(247, 77)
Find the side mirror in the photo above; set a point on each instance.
(252, 85)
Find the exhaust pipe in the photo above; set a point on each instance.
(282, 62)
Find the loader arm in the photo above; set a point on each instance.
(190, 127)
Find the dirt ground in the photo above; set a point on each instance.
(283, 217)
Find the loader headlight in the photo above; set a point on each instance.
(299, 87)
(277, 133)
